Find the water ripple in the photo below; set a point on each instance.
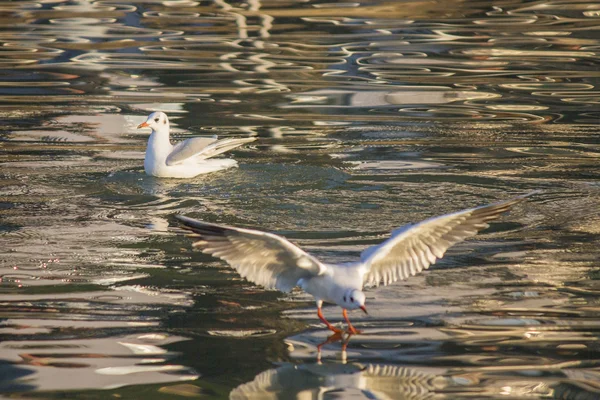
(369, 115)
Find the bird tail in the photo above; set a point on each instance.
(224, 145)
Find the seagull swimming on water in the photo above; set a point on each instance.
(275, 263)
(188, 158)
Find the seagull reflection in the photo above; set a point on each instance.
(336, 337)
(356, 381)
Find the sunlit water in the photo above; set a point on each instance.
(369, 116)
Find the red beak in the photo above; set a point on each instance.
(364, 309)
(143, 125)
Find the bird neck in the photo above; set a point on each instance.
(159, 144)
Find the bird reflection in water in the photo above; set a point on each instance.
(336, 337)
(355, 380)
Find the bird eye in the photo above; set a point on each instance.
(352, 299)
(344, 297)
(155, 119)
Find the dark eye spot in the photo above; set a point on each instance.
(155, 119)
(344, 297)
(352, 299)
(165, 122)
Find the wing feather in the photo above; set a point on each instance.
(188, 149)
(202, 148)
(413, 248)
(263, 258)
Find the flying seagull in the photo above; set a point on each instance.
(272, 261)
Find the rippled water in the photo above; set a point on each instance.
(369, 115)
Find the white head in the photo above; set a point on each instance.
(353, 299)
(158, 121)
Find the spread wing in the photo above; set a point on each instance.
(263, 258)
(202, 148)
(413, 248)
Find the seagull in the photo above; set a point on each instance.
(272, 261)
(188, 158)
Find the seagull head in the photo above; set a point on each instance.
(157, 121)
(353, 299)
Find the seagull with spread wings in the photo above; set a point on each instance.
(272, 261)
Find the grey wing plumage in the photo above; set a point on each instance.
(188, 148)
(263, 258)
(414, 248)
(202, 148)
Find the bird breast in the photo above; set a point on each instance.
(322, 288)
(331, 286)
(158, 149)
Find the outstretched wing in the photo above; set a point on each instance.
(203, 148)
(263, 258)
(413, 248)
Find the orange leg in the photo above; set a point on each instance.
(323, 320)
(352, 330)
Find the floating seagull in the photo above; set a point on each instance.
(188, 158)
(275, 263)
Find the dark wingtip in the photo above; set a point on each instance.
(183, 218)
(187, 222)
(201, 227)
(191, 224)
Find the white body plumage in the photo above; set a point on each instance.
(335, 285)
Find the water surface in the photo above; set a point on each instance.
(369, 115)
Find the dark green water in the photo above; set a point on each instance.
(369, 115)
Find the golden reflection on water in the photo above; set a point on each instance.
(370, 115)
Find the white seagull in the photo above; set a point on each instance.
(275, 263)
(188, 158)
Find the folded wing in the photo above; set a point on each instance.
(202, 148)
(413, 248)
(263, 258)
